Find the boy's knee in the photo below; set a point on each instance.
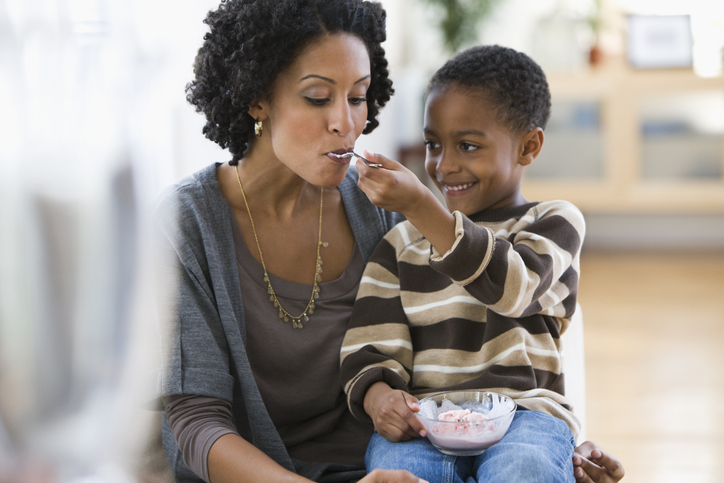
(386, 455)
(418, 457)
(529, 464)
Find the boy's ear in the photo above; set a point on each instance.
(532, 142)
(259, 110)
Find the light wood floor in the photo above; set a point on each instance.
(654, 331)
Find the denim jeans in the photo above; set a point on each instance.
(537, 448)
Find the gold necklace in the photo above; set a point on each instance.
(309, 309)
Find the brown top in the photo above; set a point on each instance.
(297, 370)
(197, 422)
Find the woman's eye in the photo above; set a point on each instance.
(317, 101)
(358, 100)
(431, 145)
(468, 147)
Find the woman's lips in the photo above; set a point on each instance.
(342, 161)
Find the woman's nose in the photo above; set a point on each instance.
(341, 120)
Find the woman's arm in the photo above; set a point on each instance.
(233, 459)
(197, 420)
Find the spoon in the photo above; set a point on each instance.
(353, 154)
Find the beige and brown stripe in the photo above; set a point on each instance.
(486, 315)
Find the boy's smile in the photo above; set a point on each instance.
(474, 159)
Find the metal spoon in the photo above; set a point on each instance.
(352, 153)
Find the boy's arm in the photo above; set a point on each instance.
(530, 271)
(533, 269)
(377, 345)
(396, 188)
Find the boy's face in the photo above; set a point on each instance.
(473, 159)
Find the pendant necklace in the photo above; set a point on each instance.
(309, 309)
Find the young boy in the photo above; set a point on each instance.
(474, 296)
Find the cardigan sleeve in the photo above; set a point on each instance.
(196, 356)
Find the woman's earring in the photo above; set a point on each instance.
(258, 129)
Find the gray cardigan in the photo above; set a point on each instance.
(205, 350)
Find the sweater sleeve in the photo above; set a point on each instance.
(377, 345)
(197, 422)
(196, 358)
(533, 268)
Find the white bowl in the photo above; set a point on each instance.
(461, 437)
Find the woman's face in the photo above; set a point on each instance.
(317, 107)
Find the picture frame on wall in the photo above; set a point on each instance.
(659, 41)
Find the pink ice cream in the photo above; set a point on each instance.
(462, 416)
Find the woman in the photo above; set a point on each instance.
(270, 247)
(250, 396)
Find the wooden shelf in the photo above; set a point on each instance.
(619, 91)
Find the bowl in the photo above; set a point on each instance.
(476, 420)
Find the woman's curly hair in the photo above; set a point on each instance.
(511, 80)
(251, 41)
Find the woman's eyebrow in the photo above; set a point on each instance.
(331, 81)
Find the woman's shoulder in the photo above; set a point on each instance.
(191, 206)
(197, 192)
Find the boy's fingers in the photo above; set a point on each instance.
(410, 416)
(380, 158)
(412, 402)
(401, 431)
(399, 423)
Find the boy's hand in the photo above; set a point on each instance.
(395, 188)
(593, 465)
(393, 413)
(392, 186)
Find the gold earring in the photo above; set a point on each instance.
(258, 129)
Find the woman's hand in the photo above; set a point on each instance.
(393, 413)
(593, 465)
(391, 476)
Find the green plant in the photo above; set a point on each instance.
(594, 20)
(460, 20)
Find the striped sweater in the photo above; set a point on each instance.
(488, 314)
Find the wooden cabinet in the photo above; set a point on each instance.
(621, 140)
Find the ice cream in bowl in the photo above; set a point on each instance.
(466, 423)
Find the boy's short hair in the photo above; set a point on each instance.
(506, 77)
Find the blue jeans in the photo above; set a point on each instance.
(537, 448)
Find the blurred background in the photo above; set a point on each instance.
(94, 124)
